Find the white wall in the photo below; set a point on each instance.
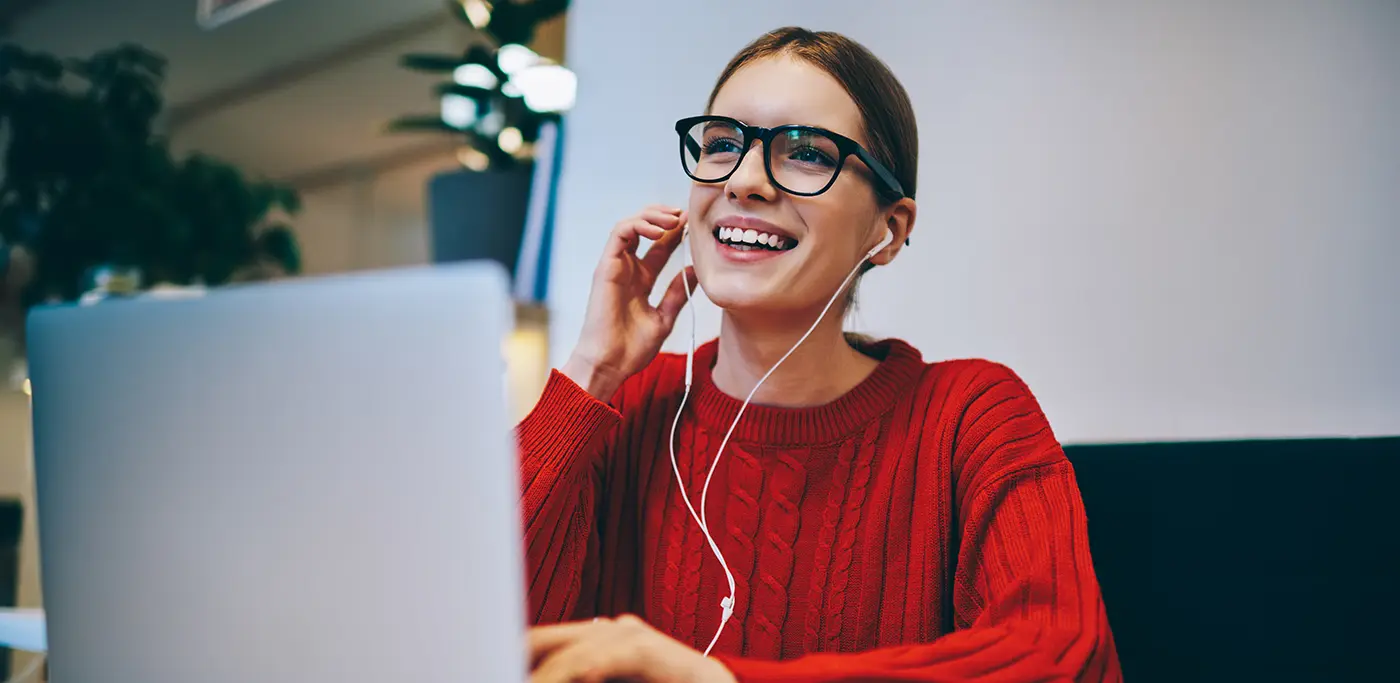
(375, 221)
(1175, 220)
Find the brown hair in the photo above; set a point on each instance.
(891, 132)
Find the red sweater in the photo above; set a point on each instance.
(926, 526)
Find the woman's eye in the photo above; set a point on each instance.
(721, 146)
(812, 155)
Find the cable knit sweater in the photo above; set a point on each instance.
(925, 526)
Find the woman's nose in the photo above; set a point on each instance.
(750, 180)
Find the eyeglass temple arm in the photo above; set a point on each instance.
(894, 189)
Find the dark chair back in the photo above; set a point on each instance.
(1249, 560)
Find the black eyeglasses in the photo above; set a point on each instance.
(800, 160)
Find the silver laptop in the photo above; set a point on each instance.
(304, 482)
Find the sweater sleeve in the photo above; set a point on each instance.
(562, 442)
(1026, 603)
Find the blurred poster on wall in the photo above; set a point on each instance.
(215, 13)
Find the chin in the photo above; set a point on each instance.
(746, 297)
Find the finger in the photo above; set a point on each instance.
(661, 251)
(593, 660)
(668, 219)
(677, 295)
(664, 216)
(626, 236)
(543, 640)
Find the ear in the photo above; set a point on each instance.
(899, 219)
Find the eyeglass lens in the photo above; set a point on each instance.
(802, 161)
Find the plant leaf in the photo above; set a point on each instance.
(433, 63)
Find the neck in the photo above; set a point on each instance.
(820, 371)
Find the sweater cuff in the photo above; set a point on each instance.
(753, 670)
(565, 421)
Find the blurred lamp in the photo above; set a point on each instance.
(458, 111)
(510, 140)
(514, 58)
(547, 88)
(475, 75)
(478, 13)
(473, 158)
(491, 123)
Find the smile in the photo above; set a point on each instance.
(753, 240)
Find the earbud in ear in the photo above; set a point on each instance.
(889, 237)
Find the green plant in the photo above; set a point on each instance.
(88, 182)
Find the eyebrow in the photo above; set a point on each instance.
(857, 136)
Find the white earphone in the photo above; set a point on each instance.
(727, 604)
(889, 237)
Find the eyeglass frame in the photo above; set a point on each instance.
(888, 187)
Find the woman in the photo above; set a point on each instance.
(881, 518)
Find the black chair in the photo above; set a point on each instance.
(1249, 560)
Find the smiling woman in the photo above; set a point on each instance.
(862, 514)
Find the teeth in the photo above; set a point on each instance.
(744, 237)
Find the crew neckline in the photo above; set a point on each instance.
(899, 366)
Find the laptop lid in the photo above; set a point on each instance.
(305, 481)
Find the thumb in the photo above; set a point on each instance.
(677, 295)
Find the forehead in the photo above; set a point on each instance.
(781, 90)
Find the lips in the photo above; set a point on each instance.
(743, 233)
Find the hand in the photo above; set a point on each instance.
(622, 331)
(625, 648)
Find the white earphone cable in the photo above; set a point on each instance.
(701, 519)
(728, 603)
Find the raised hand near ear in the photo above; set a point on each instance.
(622, 331)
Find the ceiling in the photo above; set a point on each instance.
(299, 90)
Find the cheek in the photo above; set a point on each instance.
(839, 219)
(699, 210)
(702, 197)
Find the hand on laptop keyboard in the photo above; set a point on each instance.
(610, 649)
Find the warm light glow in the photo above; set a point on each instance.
(510, 140)
(475, 75)
(547, 87)
(514, 58)
(527, 367)
(473, 158)
(27, 388)
(458, 111)
(478, 13)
